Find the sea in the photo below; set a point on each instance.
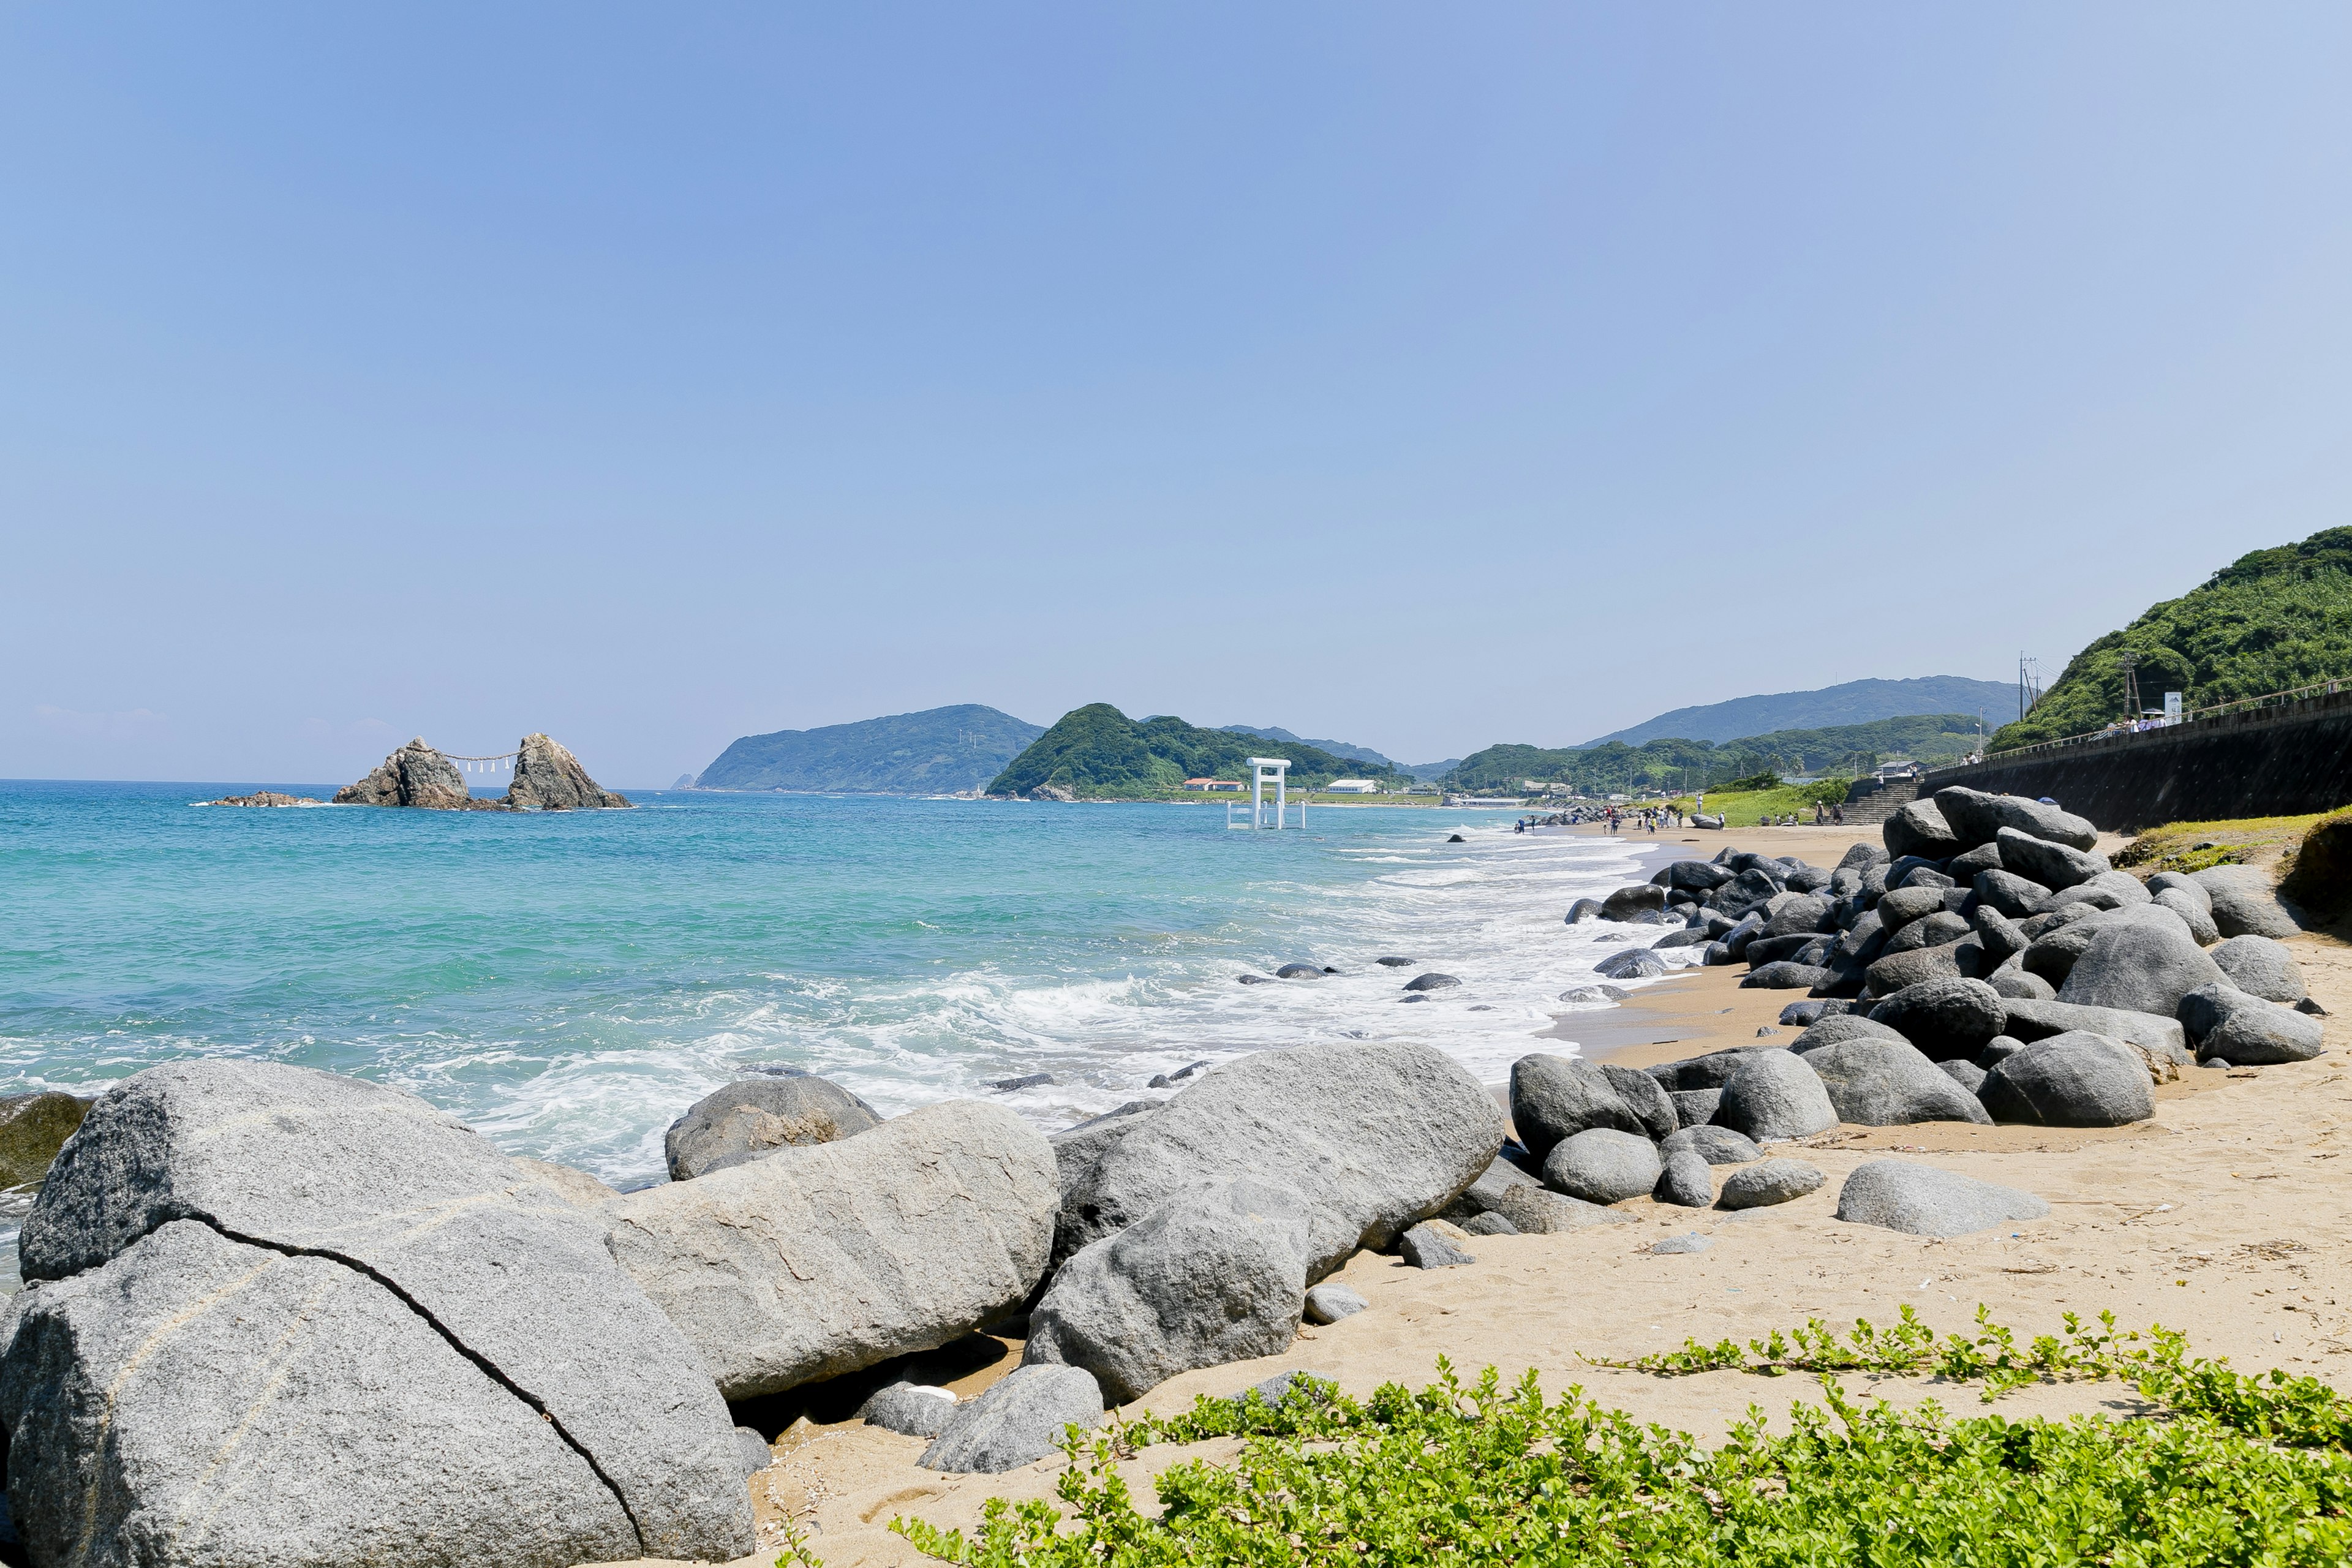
(570, 983)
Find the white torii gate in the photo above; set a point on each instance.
(1276, 771)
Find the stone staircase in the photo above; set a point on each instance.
(1880, 803)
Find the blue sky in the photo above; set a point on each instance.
(1418, 376)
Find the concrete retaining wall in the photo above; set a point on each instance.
(2264, 762)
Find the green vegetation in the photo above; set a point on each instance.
(2194, 846)
(1098, 752)
(1616, 768)
(940, 751)
(1855, 702)
(2271, 621)
(1746, 808)
(2241, 1470)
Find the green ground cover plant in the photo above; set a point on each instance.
(2228, 1470)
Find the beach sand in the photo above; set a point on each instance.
(2228, 1215)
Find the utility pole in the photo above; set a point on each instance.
(2129, 662)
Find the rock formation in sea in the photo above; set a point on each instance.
(549, 778)
(416, 774)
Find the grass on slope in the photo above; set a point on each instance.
(2239, 1470)
(2194, 846)
(1746, 808)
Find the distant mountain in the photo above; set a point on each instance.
(940, 751)
(1098, 752)
(1433, 771)
(1336, 748)
(2270, 621)
(1669, 762)
(1855, 702)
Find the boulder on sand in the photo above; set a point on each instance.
(1977, 817)
(1945, 1017)
(1634, 963)
(819, 1260)
(1017, 1420)
(549, 778)
(1716, 1145)
(2261, 966)
(2230, 1025)
(1775, 1095)
(2139, 967)
(1602, 1165)
(408, 1221)
(1771, 1182)
(1921, 1200)
(1211, 1276)
(1539, 1211)
(909, 1409)
(417, 774)
(1898, 971)
(757, 1115)
(1373, 1137)
(1631, 903)
(2029, 1019)
(1685, 1181)
(2052, 865)
(1553, 1098)
(1918, 829)
(2013, 895)
(2244, 904)
(2075, 1079)
(1786, 975)
(1888, 1083)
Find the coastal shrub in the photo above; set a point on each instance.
(2242, 1470)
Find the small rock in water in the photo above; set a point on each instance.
(1159, 1080)
(1392, 961)
(1595, 993)
(1182, 1073)
(1482, 1006)
(1424, 1247)
(1033, 1080)
(1298, 971)
(1328, 1303)
(1431, 981)
(1254, 979)
(1689, 1241)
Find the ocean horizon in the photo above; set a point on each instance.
(570, 983)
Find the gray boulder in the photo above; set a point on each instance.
(1918, 829)
(33, 1127)
(1712, 1070)
(546, 778)
(1904, 905)
(2074, 1079)
(1683, 1181)
(2052, 865)
(1427, 983)
(820, 1260)
(1538, 1210)
(1786, 975)
(1967, 1075)
(1330, 1302)
(1017, 1420)
(1840, 1026)
(2001, 937)
(2038, 1020)
(1936, 930)
(1211, 1276)
(1634, 963)
(2140, 968)
(2107, 890)
(1488, 1224)
(1920, 1200)
(2228, 1025)
(1602, 1165)
(1629, 903)
(1694, 1107)
(1777, 1181)
(909, 1409)
(2011, 894)
(2068, 933)
(1897, 971)
(2195, 912)
(415, 776)
(2164, 882)
(1485, 1195)
(1426, 1247)
(754, 1453)
(1945, 1017)
(755, 1116)
(1373, 1137)
(1964, 867)
(1888, 1083)
(1977, 817)
(1716, 1145)
(1581, 910)
(1774, 1094)
(1792, 913)
(2260, 966)
(2244, 903)
(425, 1217)
(1554, 1098)
(1862, 857)
(2014, 982)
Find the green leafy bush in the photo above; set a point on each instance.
(2241, 1470)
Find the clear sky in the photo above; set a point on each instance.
(1420, 376)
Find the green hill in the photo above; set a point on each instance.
(1098, 752)
(1840, 707)
(2270, 621)
(940, 751)
(1692, 765)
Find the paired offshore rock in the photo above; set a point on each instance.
(249, 1278)
(549, 778)
(815, 1261)
(546, 778)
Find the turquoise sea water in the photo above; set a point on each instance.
(570, 983)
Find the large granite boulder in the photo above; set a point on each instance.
(2029, 1019)
(1774, 1094)
(757, 1115)
(1716, 1145)
(2228, 1025)
(1771, 1182)
(1602, 1165)
(2195, 912)
(417, 774)
(2074, 1079)
(2261, 966)
(820, 1259)
(396, 1211)
(2138, 967)
(33, 1127)
(1921, 1200)
(1977, 818)
(1898, 971)
(2066, 934)
(1373, 1137)
(2053, 865)
(2244, 903)
(1889, 1083)
(1077, 1149)
(1540, 1211)
(549, 778)
(1945, 1017)
(1918, 829)
(1631, 903)
(1211, 1276)
(1017, 1420)
(1554, 1098)
(2014, 896)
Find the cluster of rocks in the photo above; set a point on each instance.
(1988, 937)
(267, 797)
(546, 778)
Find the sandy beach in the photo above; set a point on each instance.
(2226, 1215)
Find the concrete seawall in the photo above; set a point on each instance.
(2264, 762)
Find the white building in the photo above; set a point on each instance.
(1352, 786)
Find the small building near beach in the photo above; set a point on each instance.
(1352, 786)
(1230, 786)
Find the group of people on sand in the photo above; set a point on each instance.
(1644, 819)
(1831, 814)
